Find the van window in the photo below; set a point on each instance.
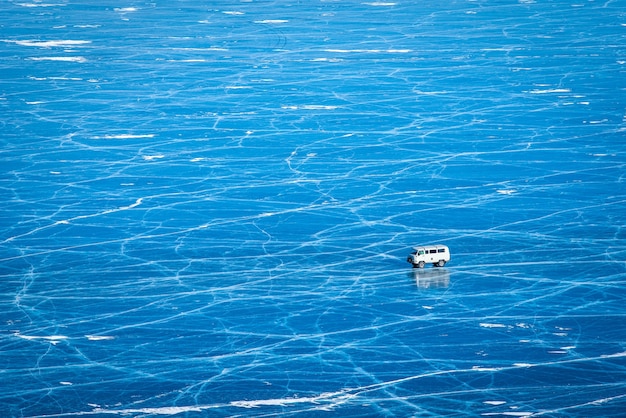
(441, 250)
(433, 251)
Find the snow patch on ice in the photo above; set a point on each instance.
(40, 4)
(309, 107)
(52, 339)
(546, 91)
(489, 325)
(48, 44)
(153, 157)
(369, 51)
(63, 59)
(494, 402)
(99, 337)
(271, 21)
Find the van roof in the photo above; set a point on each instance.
(436, 246)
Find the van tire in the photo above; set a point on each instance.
(441, 263)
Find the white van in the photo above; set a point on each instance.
(438, 255)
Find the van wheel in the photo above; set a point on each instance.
(420, 264)
(441, 263)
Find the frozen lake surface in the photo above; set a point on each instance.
(206, 210)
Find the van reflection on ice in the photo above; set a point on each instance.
(431, 278)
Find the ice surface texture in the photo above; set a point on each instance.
(206, 210)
